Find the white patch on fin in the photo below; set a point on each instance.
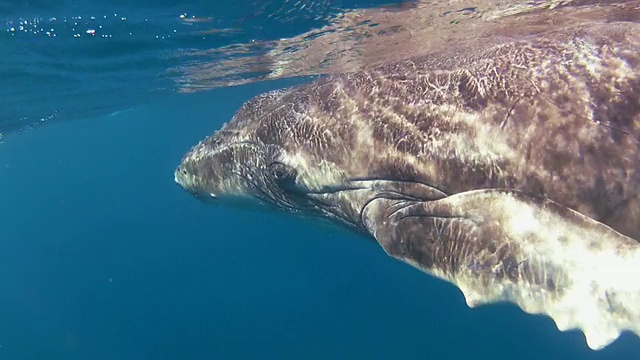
(599, 270)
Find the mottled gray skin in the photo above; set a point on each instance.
(443, 160)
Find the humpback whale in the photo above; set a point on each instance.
(511, 170)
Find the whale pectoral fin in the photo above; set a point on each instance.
(499, 245)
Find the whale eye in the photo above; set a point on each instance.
(279, 174)
(283, 175)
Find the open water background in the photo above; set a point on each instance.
(102, 256)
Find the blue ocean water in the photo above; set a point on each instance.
(102, 256)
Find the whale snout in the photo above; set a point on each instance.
(181, 177)
(187, 181)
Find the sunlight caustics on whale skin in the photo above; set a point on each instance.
(594, 270)
(511, 172)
